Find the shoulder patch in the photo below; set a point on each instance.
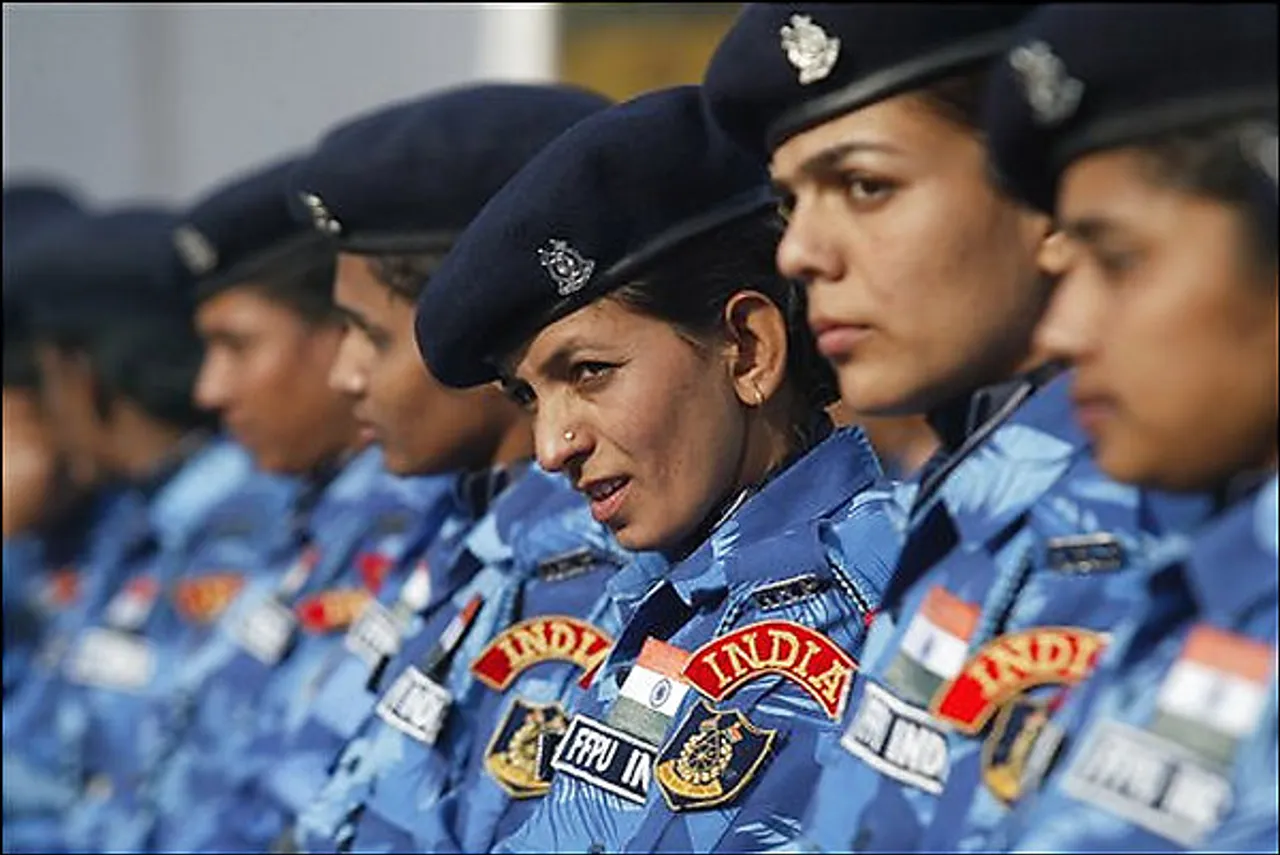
(1009, 665)
(540, 639)
(1007, 750)
(512, 755)
(899, 740)
(792, 650)
(711, 757)
(202, 599)
(331, 610)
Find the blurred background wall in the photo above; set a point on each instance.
(161, 100)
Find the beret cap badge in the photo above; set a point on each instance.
(323, 219)
(1052, 93)
(809, 48)
(197, 253)
(566, 266)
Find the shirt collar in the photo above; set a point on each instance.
(1232, 564)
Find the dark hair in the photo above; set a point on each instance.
(690, 287)
(302, 281)
(153, 366)
(1218, 162)
(406, 274)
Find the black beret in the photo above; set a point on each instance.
(784, 68)
(409, 177)
(1083, 77)
(242, 229)
(605, 200)
(30, 206)
(89, 273)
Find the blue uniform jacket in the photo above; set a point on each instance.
(1013, 575)
(1172, 744)
(732, 768)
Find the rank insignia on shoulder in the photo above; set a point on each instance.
(1148, 780)
(568, 565)
(332, 610)
(1009, 665)
(204, 598)
(606, 758)
(711, 758)
(1007, 751)
(794, 651)
(1086, 553)
(540, 639)
(512, 756)
(788, 592)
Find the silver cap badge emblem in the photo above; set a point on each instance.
(1052, 93)
(324, 221)
(566, 267)
(809, 48)
(195, 250)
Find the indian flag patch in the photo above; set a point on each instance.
(1214, 694)
(934, 648)
(651, 695)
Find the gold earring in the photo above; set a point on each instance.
(755, 387)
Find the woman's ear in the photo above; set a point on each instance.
(756, 334)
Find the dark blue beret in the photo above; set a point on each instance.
(593, 209)
(28, 207)
(88, 273)
(1083, 77)
(241, 229)
(784, 68)
(409, 177)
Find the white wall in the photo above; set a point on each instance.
(162, 100)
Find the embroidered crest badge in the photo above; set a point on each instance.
(1007, 749)
(566, 266)
(512, 755)
(711, 758)
(809, 48)
(1052, 93)
(321, 217)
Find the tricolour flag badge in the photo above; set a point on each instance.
(651, 695)
(333, 610)
(934, 647)
(1214, 694)
(131, 606)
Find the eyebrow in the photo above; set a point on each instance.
(827, 161)
(558, 361)
(354, 317)
(1089, 230)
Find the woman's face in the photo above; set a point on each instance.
(422, 426)
(1171, 323)
(922, 281)
(644, 422)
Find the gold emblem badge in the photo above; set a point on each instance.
(512, 756)
(711, 758)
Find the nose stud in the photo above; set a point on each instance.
(569, 435)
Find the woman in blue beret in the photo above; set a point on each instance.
(622, 288)
(1162, 171)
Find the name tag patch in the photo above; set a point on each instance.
(1149, 781)
(712, 756)
(512, 757)
(416, 705)
(113, 660)
(898, 740)
(805, 657)
(606, 758)
(374, 636)
(267, 631)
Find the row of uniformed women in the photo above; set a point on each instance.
(1062, 633)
